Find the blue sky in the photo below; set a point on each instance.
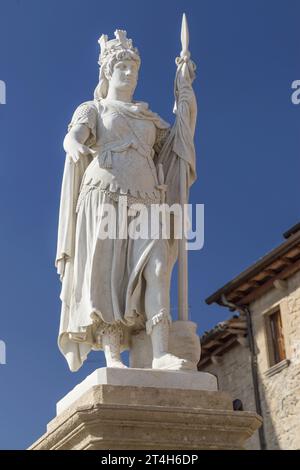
(247, 139)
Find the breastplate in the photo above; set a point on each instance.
(123, 156)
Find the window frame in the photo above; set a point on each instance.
(276, 347)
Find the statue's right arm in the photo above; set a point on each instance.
(74, 145)
(81, 131)
(75, 140)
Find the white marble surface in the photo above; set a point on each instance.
(113, 278)
(140, 378)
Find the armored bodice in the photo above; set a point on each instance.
(123, 136)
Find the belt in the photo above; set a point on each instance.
(104, 153)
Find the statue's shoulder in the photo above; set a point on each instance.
(85, 113)
(87, 107)
(144, 111)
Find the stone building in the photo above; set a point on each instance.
(256, 353)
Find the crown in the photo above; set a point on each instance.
(121, 43)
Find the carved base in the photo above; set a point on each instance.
(149, 417)
(143, 378)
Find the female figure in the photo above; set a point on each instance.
(113, 286)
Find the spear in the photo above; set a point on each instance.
(184, 37)
(182, 252)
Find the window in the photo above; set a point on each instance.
(275, 338)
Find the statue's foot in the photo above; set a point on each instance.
(170, 362)
(116, 364)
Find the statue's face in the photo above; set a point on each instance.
(125, 75)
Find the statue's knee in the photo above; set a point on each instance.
(157, 267)
(156, 271)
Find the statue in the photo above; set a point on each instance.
(120, 153)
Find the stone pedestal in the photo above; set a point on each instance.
(147, 409)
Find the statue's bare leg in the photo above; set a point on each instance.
(157, 306)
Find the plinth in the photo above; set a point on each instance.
(147, 409)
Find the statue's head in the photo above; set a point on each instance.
(119, 64)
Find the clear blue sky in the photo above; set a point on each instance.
(247, 139)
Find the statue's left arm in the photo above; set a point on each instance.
(186, 104)
(177, 144)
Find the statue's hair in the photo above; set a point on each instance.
(107, 67)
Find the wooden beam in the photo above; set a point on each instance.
(228, 343)
(285, 273)
(211, 343)
(237, 324)
(236, 331)
(270, 272)
(263, 264)
(240, 293)
(254, 283)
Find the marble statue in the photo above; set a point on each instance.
(120, 152)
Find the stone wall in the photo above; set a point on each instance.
(279, 386)
(234, 376)
(280, 392)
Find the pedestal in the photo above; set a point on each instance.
(147, 409)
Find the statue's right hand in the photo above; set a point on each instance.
(77, 151)
(74, 148)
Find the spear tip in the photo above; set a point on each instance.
(184, 34)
